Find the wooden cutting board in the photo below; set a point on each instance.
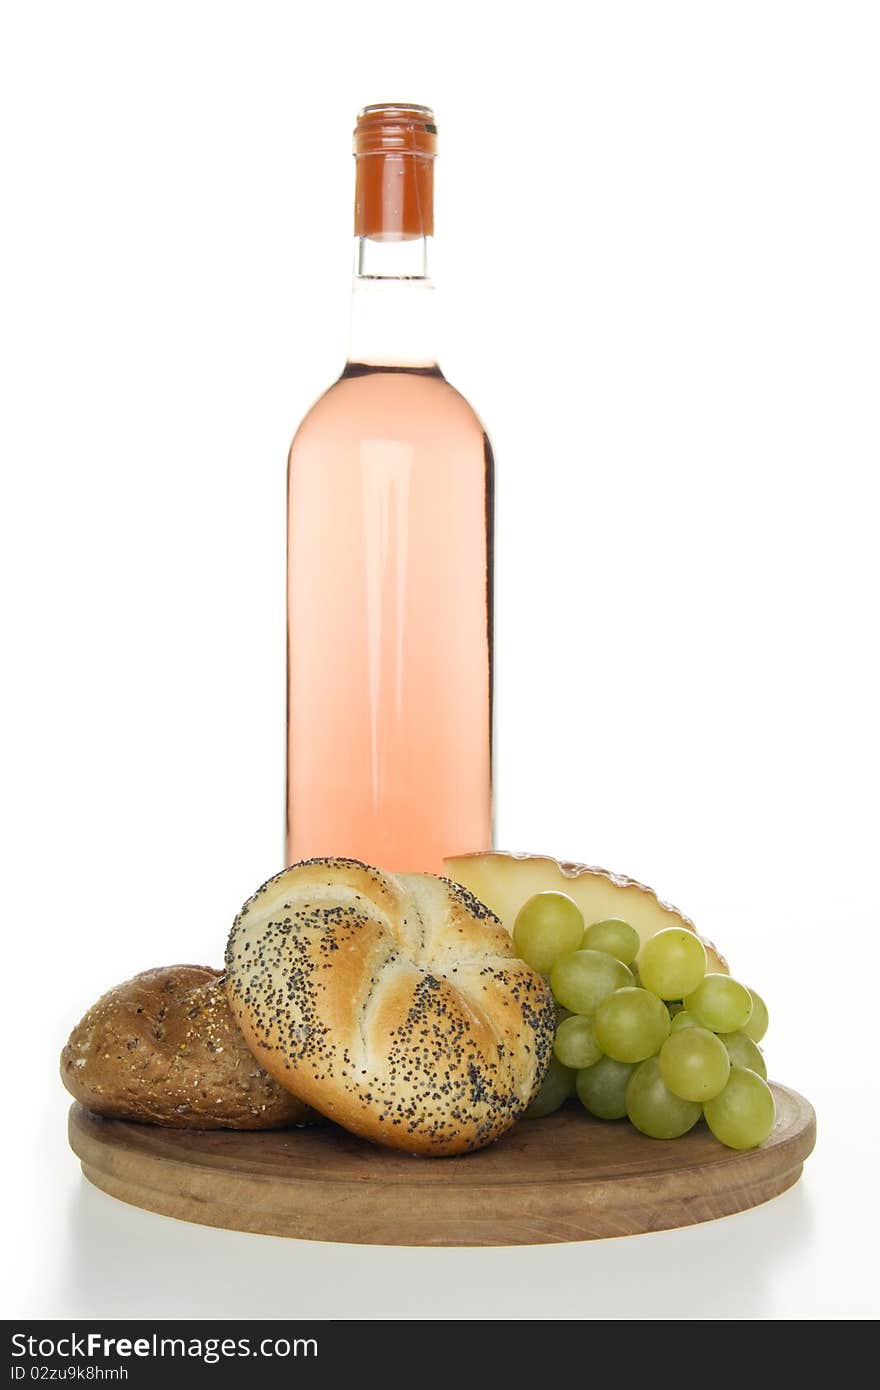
(568, 1177)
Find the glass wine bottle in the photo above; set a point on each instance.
(389, 581)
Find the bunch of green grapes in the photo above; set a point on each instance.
(644, 1031)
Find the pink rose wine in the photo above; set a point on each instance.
(389, 585)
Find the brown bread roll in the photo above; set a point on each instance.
(394, 1004)
(163, 1048)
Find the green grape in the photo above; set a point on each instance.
(548, 926)
(672, 963)
(631, 1024)
(760, 1019)
(556, 1087)
(617, 938)
(582, 979)
(694, 1064)
(602, 1088)
(721, 1004)
(575, 1044)
(742, 1115)
(653, 1108)
(684, 1020)
(744, 1053)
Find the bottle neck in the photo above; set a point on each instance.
(392, 303)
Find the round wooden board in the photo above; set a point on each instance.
(568, 1177)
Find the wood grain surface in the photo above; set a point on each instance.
(568, 1177)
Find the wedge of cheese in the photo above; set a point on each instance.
(504, 881)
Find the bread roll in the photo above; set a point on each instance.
(393, 1004)
(164, 1049)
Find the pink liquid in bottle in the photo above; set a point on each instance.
(389, 605)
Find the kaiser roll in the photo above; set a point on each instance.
(394, 1004)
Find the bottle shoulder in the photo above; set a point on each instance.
(397, 403)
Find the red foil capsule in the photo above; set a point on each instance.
(394, 146)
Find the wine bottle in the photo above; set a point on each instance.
(389, 580)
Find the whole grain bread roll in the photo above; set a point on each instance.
(164, 1049)
(394, 1004)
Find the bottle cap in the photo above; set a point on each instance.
(394, 145)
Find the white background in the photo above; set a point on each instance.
(658, 233)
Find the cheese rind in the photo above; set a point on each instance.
(505, 881)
